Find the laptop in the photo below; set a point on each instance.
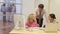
(51, 27)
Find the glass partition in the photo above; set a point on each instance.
(8, 8)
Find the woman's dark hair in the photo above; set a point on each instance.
(41, 6)
(52, 16)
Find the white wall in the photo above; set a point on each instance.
(55, 8)
(28, 7)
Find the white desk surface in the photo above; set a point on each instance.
(31, 32)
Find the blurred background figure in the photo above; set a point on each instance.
(11, 10)
(3, 9)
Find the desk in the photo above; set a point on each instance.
(30, 32)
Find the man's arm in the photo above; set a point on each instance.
(45, 19)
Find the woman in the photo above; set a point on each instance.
(51, 19)
(31, 22)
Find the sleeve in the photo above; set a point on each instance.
(36, 25)
(45, 18)
(1, 8)
(27, 24)
(36, 11)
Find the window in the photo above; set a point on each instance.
(18, 4)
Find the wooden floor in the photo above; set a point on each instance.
(6, 27)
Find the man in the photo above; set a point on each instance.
(9, 10)
(13, 12)
(39, 14)
(3, 9)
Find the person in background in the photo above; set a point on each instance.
(3, 9)
(13, 12)
(31, 21)
(9, 10)
(39, 14)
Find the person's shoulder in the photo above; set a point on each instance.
(36, 9)
(56, 21)
(44, 10)
(27, 23)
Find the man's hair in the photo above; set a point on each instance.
(41, 6)
(4, 4)
(52, 16)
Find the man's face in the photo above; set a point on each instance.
(40, 9)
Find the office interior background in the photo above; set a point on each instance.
(25, 7)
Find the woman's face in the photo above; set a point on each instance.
(31, 18)
(50, 18)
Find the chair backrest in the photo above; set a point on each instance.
(18, 20)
